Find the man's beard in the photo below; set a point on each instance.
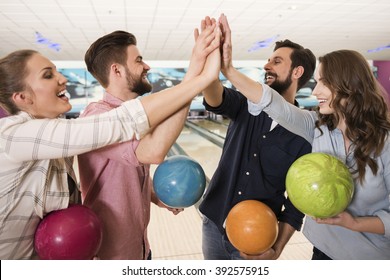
(139, 86)
(282, 86)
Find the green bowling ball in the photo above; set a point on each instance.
(319, 185)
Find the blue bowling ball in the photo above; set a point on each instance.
(179, 181)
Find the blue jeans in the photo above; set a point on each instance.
(216, 246)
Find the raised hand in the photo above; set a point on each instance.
(227, 44)
(213, 62)
(202, 47)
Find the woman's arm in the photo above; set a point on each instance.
(361, 224)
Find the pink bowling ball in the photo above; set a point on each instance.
(74, 233)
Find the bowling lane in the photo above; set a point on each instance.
(213, 126)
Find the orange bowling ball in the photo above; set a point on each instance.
(251, 227)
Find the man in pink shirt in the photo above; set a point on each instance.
(115, 180)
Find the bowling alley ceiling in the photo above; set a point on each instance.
(64, 29)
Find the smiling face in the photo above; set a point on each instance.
(136, 72)
(323, 93)
(45, 89)
(278, 70)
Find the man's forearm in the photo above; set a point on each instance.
(286, 231)
(213, 94)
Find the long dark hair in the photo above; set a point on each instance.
(359, 99)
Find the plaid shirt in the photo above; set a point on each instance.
(36, 156)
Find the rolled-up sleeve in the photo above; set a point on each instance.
(141, 122)
(296, 120)
(256, 108)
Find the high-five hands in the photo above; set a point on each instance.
(205, 43)
(226, 44)
(225, 39)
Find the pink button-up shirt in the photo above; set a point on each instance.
(117, 187)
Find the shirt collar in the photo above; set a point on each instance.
(111, 99)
